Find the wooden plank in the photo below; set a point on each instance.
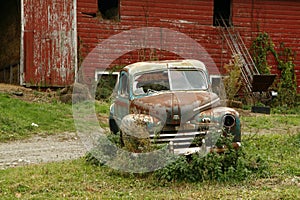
(194, 18)
(52, 58)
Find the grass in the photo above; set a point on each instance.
(17, 118)
(275, 138)
(275, 124)
(79, 180)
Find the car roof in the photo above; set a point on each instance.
(165, 64)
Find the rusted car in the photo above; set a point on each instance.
(171, 102)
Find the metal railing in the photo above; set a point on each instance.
(238, 48)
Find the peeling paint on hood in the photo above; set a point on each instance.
(186, 104)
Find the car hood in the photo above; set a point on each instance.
(182, 104)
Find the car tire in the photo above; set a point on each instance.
(113, 126)
(121, 139)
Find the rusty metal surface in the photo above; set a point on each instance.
(48, 43)
(187, 117)
(188, 102)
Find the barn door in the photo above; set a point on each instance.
(48, 49)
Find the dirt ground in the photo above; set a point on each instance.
(29, 94)
(38, 149)
(41, 149)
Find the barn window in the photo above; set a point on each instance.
(109, 9)
(222, 13)
(217, 85)
(106, 82)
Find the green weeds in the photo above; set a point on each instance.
(231, 166)
(21, 119)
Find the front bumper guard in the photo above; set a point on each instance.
(181, 143)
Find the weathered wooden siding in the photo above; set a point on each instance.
(280, 19)
(48, 49)
(194, 18)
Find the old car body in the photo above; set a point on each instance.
(171, 102)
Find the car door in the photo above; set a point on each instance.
(122, 98)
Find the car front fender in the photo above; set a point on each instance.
(225, 118)
(140, 125)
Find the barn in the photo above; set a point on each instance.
(58, 38)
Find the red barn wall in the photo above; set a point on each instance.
(194, 18)
(280, 19)
(48, 51)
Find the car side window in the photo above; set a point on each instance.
(123, 89)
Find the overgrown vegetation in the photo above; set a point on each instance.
(261, 49)
(279, 151)
(233, 82)
(105, 87)
(287, 87)
(232, 165)
(267, 166)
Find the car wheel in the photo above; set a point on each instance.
(113, 126)
(121, 138)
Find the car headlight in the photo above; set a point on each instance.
(228, 121)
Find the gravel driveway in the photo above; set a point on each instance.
(41, 149)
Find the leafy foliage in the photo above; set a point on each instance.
(262, 47)
(280, 149)
(105, 87)
(110, 151)
(232, 165)
(104, 149)
(287, 87)
(233, 82)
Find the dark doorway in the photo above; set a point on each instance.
(10, 39)
(222, 13)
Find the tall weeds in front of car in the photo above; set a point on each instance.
(111, 152)
(232, 165)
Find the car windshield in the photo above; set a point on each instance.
(172, 79)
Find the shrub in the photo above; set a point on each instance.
(287, 87)
(262, 47)
(105, 87)
(111, 152)
(260, 50)
(232, 165)
(233, 82)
